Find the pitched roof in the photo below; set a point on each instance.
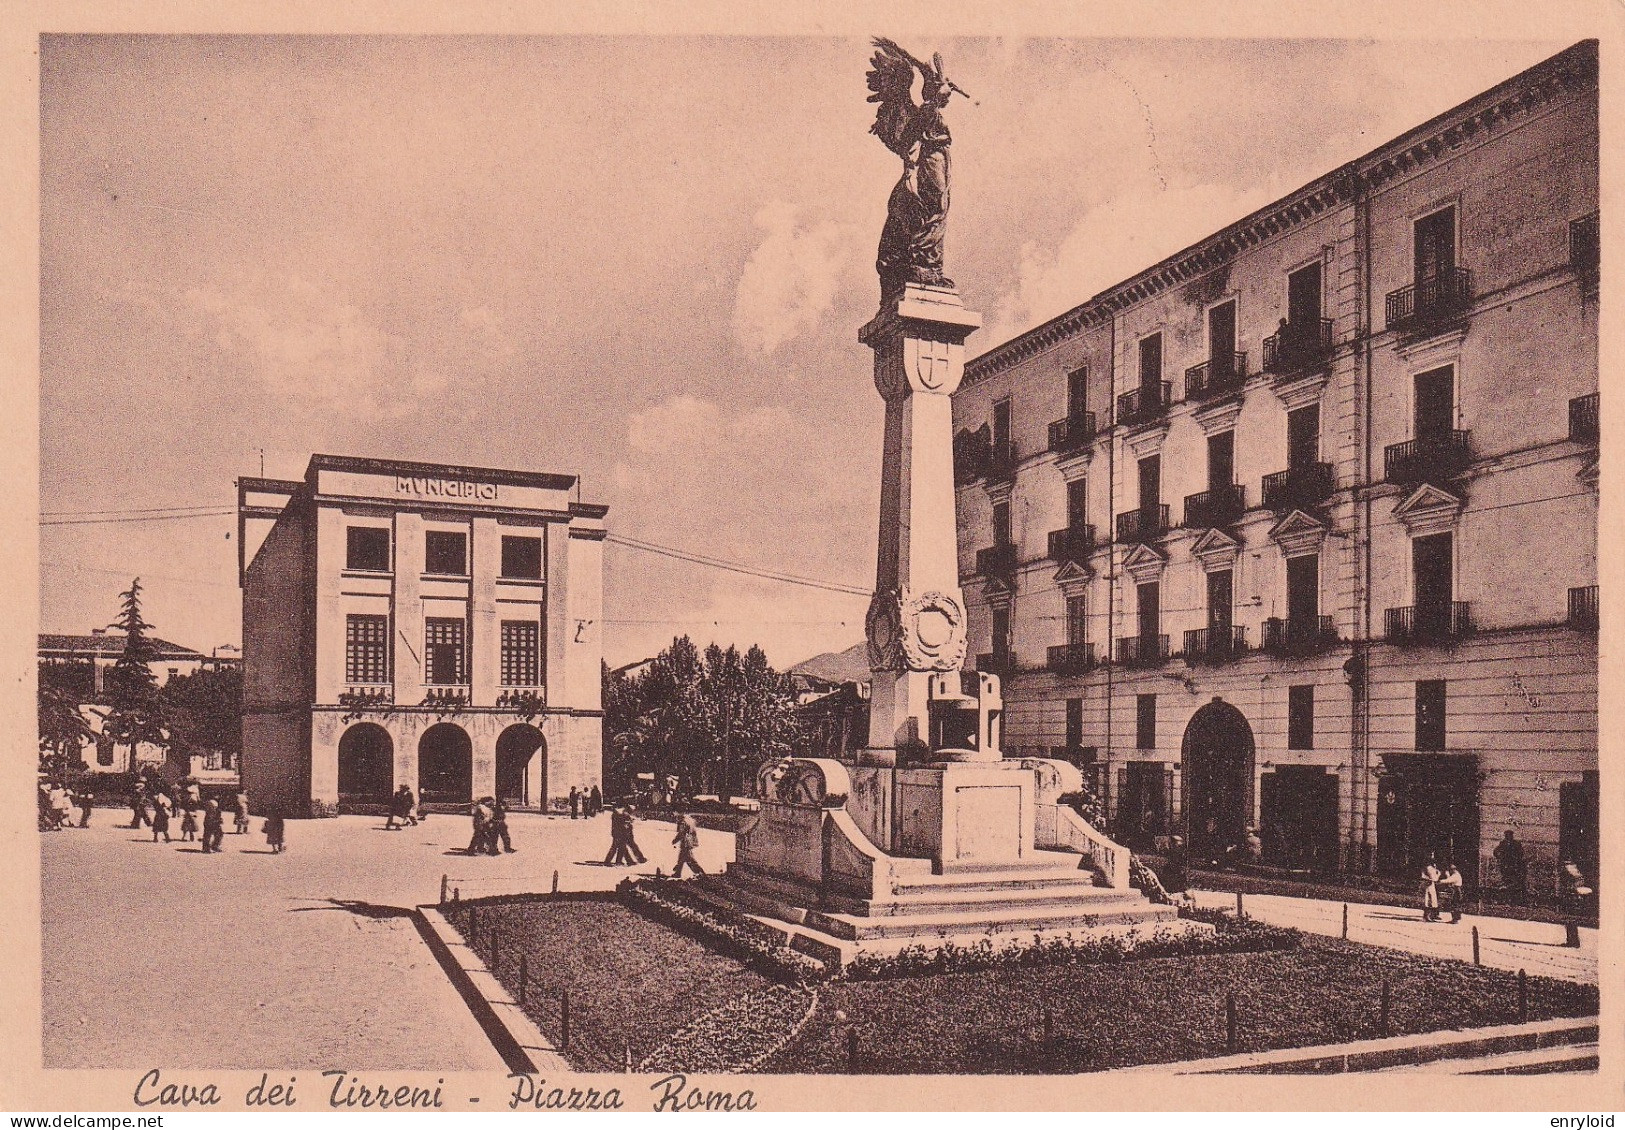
(108, 646)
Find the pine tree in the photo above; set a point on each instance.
(137, 711)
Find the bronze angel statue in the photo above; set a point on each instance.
(917, 213)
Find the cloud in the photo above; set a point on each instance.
(486, 328)
(791, 279)
(687, 426)
(1111, 242)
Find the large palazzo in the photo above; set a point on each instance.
(420, 624)
(1296, 530)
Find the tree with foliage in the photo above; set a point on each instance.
(708, 719)
(205, 713)
(63, 730)
(136, 711)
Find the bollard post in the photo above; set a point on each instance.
(1387, 1002)
(457, 894)
(1476, 961)
(555, 882)
(1238, 904)
(444, 880)
(1230, 1022)
(1345, 922)
(852, 1050)
(1523, 997)
(564, 1021)
(626, 1057)
(524, 976)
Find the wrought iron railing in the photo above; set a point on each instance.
(1298, 488)
(1215, 645)
(1428, 623)
(1585, 419)
(1002, 664)
(1584, 610)
(1443, 456)
(1298, 635)
(1147, 523)
(1142, 651)
(1073, 543)
(1296, 347)
(1431, 301)
(1144, 404)
(1216, 376)
(1217, 507)
(1071, 433)
(1070, 658)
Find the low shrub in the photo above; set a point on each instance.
(665, 901)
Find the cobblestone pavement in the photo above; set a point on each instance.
(156, 954)
(1504, 943)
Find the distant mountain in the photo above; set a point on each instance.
(849, 666)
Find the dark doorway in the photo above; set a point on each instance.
(446, 765)
(1303, 438)
(1001, 425)
(1303, 300)
(366, 765)
(516, 749)
(1151, 370)
(1435, 405)
(1221, 338)
(1298, 818)
(1303, 593)
(1579, 837)
(1435, 244)
(1150, 470)
(1148, 598)
(1144, 792)
(1218, 759)
(1221, 461)
(1220, 606)
(1427, 806)
(1077, 393)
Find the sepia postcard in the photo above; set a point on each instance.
(709, 559)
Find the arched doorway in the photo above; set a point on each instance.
(366, 765)
(1218, 760)
(446, 765)
(517, 748)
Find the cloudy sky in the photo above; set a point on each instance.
(639, 260)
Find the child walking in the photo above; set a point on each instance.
(189, 825)
(274, 832)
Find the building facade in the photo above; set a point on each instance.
(420, 624)
(1296, 530)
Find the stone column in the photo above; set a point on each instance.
(916, 621)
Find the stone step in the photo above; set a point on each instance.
(1020, 920)
(1049, 879)
(1043, 861)
(956, 900)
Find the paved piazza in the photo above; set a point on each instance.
(159, 954)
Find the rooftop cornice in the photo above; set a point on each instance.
(1573, 69)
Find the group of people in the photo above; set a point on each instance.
(152, 805)
(1441, 891)
(56, 805)
(585, 803)
(403, 806)
(490, 818)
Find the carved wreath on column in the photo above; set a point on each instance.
(924, 632)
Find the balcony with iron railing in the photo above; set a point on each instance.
(1002, 664)
(1217, 376)
(971, 453)
(1217, 507)
(1070, 658)
(1136, 407)
(1073, 543)
(1147, 523)
(1432, 303)
(1142, 651)
(1215, 645)
(1435, 458)
(363, 696)
(1073, 433)
(1298, 348)
(1298, 488)
(1422, 624)
(1001, 462)
(1584, 610)
(1585, 418)
(996, 560)
(1299, 635)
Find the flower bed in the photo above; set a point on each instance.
(763, 949)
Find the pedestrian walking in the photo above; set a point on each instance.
(61, 806)
(160, 821)
(481, 816)
(214, 826)
(575, 803)
(1430, 892)
(400, 808)
(595, 801)
(687, 839)
(188, 825)
(85, 799)
(276, 832)
(1509, 857)
(242, 814)
(1175, 867)
(138, 806)
(1450, 892)
(619, 853)
(498, 829)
